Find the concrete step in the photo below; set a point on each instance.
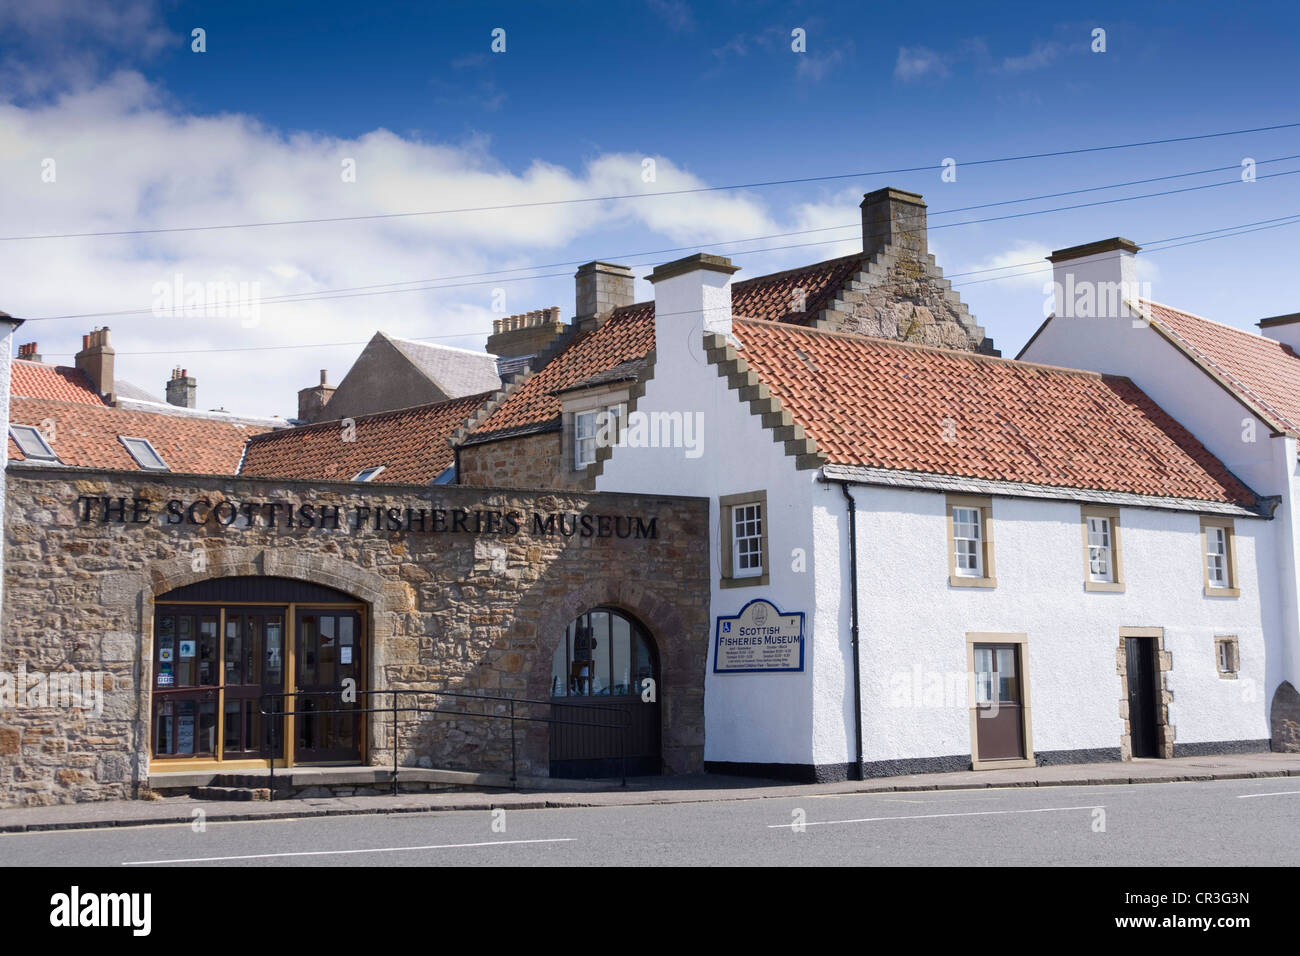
(232, 793)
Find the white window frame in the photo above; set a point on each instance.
(369, 474)
(958, 517)
(1219, 557)
(1226, 647)
(747, 522)
(45, 451)
(1104, 546)
(1216, 557)
(126, 443)
(585, 426)
(750, 513)
(966, 518)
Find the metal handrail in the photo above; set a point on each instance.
(394, 710)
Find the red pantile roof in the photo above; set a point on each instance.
(1264, 372)
(60, 383)
(86, 435)
(629, 334)
(876, 403)
(411, 443)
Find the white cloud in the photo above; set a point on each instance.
(1021, 265)
(125, 160)
(917, 63)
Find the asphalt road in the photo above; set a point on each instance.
(1225, 823)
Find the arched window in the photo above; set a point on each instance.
(605, 653)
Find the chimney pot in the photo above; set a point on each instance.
(517, 336)
(312, 401)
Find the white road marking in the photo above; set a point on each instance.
(381, 849)
(1279, 793)
(928, 816)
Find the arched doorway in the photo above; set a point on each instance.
(222, 645)
(605, 670)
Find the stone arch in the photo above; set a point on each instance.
(681, 666)
(1284, 719)
(178, 571)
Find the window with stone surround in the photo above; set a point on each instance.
(1102, 562)
(970, 542)
(1219, 557)
(1225, 656)
(592, 421)
(745, 557)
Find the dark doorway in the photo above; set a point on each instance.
(1143, 718)
(999, 708)
(599, 677)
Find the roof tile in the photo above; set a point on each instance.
(883, 404)
(86, 435)
(411, 443)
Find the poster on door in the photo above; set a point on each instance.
(761, 639)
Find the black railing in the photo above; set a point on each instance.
(625, 725)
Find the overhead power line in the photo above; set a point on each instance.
(646, 195)
(1224, 232)
(503, 277)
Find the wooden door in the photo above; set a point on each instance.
(1139, 653)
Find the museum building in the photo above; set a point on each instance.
(806, 525)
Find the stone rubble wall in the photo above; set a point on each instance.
(901, 296)
(474, 613)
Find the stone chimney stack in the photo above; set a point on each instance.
(517, 338)
(1096, 280)
(312, 401)
(601, 287)
(96, 360)
(181, 389)
(28, 352)
(892, 217)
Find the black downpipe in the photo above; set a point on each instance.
(857, 648)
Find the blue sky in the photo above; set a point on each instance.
(145, 133)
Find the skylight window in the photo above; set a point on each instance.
(368, 474)
(144, 454)
(32, 443)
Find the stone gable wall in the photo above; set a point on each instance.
(901, 296)
(479, 613)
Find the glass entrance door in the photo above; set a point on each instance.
(253, 658)
(186, 682)
(328, 663)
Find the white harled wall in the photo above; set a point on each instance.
(749, 718)
(913, 624)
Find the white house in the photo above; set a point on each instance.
(1237, 392)
(990, 562)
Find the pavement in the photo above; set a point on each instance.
(643, 791)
